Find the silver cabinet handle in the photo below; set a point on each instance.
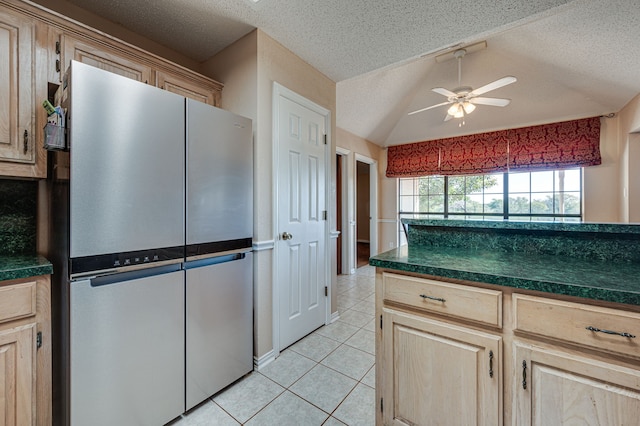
(617, 333)
(437, 299)
(286, 236)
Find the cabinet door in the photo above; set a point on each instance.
(437, 373)
(186, 88)
(17, 54)
(557, 388)
(104, 58)
(17, 380)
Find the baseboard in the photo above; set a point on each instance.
(334, 317)
(264, 360)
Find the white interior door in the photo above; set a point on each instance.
(301, 226)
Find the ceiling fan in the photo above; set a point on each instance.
(463, 99)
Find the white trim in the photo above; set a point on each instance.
(264, 360)
(264, 245)
(388, 220)
(334, 317)
(281, 91)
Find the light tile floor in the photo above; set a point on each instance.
(327, 378)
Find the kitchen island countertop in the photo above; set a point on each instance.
(23, 266)
(590, 279)
(438, 249)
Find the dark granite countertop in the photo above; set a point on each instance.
(593, 279)
(23, 266)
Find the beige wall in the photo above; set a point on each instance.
(601, 188)
(629, 160)
(248, 69)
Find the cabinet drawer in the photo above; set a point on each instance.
(471, 303)
(17, 301)
(580, 324)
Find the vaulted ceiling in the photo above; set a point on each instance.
(572, 58)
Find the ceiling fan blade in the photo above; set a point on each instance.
(448, 117)
(490, 101)
(429, 107)
(444, 92)
(493, 85)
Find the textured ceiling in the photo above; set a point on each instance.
(341, 38)
(581, 61)
(572, 59)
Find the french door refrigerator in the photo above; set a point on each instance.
(118, 237)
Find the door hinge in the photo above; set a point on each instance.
(382, 405)
(39, 340)
(325, 139)
(324, 215)
(380, 322)
(326, 291)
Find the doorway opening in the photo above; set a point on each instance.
(363, 216)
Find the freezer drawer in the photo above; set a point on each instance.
(219, 324)
(127, 349)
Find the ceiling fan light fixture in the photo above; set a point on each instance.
(468, 107)
(459, 109)
(455, 110)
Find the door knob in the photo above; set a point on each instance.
(286, 236)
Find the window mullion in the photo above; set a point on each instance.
(505, 195)
(446, 197)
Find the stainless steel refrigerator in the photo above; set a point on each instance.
(127, 260)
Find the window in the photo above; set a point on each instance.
(554, 195)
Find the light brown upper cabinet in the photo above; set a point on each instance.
(207, 93)
(104, 57)
(20, 155)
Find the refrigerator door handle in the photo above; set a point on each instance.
(214, 260)
(102, 280)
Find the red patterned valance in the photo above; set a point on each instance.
(550, 146)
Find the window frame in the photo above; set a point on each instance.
(505, 214)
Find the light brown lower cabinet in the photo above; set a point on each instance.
(548, 361)
(440, 374)
(25, 352)
(561, 388)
